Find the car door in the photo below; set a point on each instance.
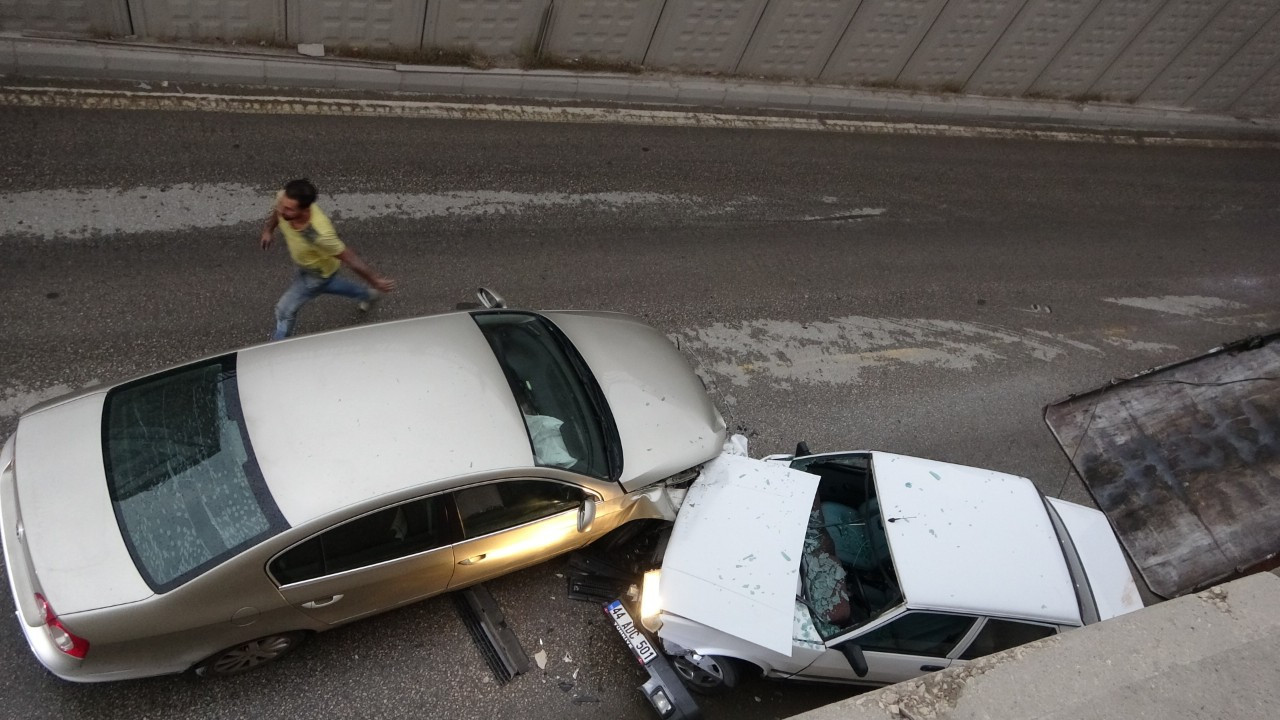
(910, 645)
(370, 563)
(997, 634)
(511, 524)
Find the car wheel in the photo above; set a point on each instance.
(250, 655)
(709, 674)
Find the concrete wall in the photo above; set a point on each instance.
(1221, 55)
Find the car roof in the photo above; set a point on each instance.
(337, 418)
(970, 540)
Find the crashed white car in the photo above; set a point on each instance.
(864, 567)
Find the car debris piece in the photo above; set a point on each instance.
(488, 627)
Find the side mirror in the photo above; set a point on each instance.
(490, 299)
(586, 515)
(854, 655)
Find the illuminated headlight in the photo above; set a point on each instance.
(651, 601)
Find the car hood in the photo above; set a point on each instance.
(69, 529)
(665, 419)
(733, 560)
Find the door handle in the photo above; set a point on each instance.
(472, 560)
(930, 668)
(322, 603)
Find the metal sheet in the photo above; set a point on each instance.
(494, 27)
(1261, 52)
(363, 23)
(880, 39)
(75, 16)
(796, 37)
(606, 29)
(1027, 45)
(1212, 47)
(703, 35)
(1185, 462)
(958, 41)
(241, 20)
(1095, 45)
(1164, 37)
(1263, 97)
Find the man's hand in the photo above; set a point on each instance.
(265, 240)
(382, 284)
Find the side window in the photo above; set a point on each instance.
(498, 506)
(918, 633)
(386, 534)
(998, 635)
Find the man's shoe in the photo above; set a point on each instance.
(374, 297)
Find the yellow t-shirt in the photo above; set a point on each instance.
(315, 247)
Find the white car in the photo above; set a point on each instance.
(865, 567)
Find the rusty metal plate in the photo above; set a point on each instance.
(1185, 462)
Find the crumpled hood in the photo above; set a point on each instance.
(733, 560)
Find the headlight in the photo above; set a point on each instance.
(651, 601)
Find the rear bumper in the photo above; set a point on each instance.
(669, 698)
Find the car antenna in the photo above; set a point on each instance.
(905, 517)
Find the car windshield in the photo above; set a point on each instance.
(183, 480)
(564, 411)
(846, 570)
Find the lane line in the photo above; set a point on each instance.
(80, 98)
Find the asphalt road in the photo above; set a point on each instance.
(919, 295)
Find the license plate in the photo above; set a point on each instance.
(640, 645)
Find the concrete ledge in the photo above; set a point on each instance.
(38, 58)
(22, 56)
(1207, 655)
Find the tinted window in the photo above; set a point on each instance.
(567, 422)
(181, 474)
(918, 633)
(999, 635)
(388, 534)
(489, 508)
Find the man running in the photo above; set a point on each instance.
(315, 248)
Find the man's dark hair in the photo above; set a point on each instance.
(301, 190)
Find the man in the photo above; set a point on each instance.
(315, 247)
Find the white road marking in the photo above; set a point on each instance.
(837, 351)
(1186, 305)
(14, 400)
(262, 104)
(82, 213)
(1138, 346)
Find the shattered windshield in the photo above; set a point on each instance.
(847, 574)
(183, 480)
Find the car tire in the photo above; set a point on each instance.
(715, 675)
(250, 655)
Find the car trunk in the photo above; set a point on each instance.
(1183, 460)
(70, 541)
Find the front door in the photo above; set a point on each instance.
(912, 644)
(512, 524)
(371, 563)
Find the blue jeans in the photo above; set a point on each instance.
(306, 286)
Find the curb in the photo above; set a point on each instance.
(23, 56)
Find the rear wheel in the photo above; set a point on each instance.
(709, 674)
(250, 655)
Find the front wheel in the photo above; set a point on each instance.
(709, 674)
(250, 655)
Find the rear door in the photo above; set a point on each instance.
(371, 563)
(511, 524)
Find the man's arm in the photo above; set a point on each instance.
(269, 229)
(353, 261)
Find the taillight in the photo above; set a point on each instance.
(67, 642)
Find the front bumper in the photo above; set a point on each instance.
(664, 691)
